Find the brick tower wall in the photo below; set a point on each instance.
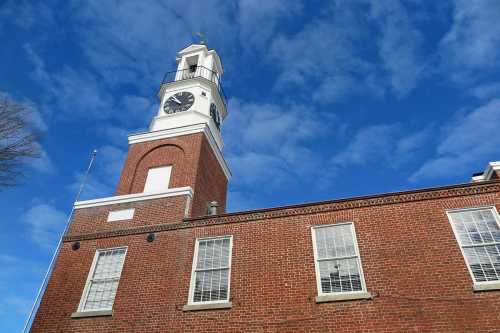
(193, 164)
(211, 183)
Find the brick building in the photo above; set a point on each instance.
(161, 255)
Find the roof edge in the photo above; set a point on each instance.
(348, 199)
(302, 209)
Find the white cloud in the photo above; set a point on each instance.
(153, 31)
(239, 201)
(16, 305)
(72, 95)
(269, 125)
(69, 93)
(44, 223)
(269, 144)
(117, 135)
(257, 168)
(487, 91)
(322, 50)
(335, 52)
(400, 45)
(103, 177)
(467, 145)
(258, 21)
(386, 143)
(43, 163)
(136, 110)
(25, 14)
(473, 42)
(25, 274)
(109, 162)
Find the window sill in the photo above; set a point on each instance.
(487, 286)
(84, 314)
(207, 306)
(343, 297)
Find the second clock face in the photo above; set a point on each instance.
(179, 102)
(214, 113)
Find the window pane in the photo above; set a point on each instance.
(334, 242)
(339, 243)
(224, 284)
(337, 273)
(101, 295)
(213, 254)
(348, 240)
(104, 282)
(212, 270)
(340, 275)
(476, 227)
(211, 285)
(225, 253)
(475, 264)
(109, 264)
(321, 243)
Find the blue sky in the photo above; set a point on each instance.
(327, 99)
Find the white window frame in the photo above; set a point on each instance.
(344, 294)
(478, 285)
(86, 289)
(193, 272)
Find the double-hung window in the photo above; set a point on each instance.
(478, 233)
(102, 282)
(210, 277)
(338, 266)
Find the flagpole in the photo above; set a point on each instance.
(58, 248)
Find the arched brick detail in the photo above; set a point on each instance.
(151, 154)
(160, 156)
(193, 163)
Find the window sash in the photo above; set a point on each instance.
(319, 260)
(484, 270)
(92, 281)
(210, 271)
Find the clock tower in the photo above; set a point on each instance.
(193, 93)
(183, 147)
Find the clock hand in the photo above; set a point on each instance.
(176, 100)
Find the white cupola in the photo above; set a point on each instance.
(192, 96)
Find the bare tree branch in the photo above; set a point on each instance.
(18, 142)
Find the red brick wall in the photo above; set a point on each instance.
(148, 212)
(211, 183)
(411, 261)
(180, 152)
(193, 164)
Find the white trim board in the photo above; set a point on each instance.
(185, 130)
(121, 215)
(118, 199)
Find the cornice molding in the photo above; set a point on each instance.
(119, 199)
(305, 209)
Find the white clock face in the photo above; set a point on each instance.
(179, 102)
(214, 113)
